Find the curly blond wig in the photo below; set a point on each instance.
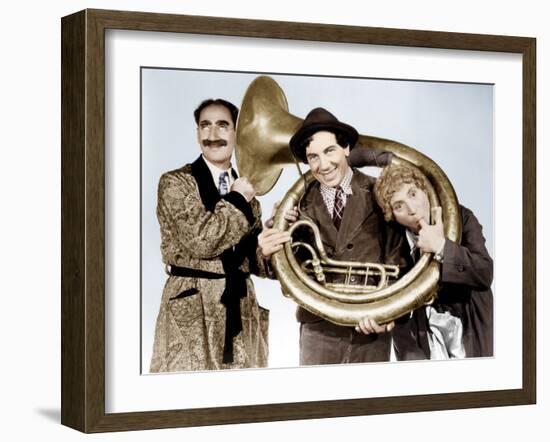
(390, 181)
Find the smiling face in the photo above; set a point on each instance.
(216, 135)
(327, 159)
(409, 205)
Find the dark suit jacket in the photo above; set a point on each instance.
(363, 234)
(465, 292)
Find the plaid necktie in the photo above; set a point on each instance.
(338, 207)
(223, 183)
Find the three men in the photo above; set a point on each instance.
(209, 317)
(209, 219)
(460, 322)
(340, 201)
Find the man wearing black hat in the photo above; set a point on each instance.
(340, 201)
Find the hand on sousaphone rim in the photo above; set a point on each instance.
(272, 240)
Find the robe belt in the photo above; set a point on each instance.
(235, 289)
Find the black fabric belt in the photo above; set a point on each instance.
(235, 289)
(186, 272)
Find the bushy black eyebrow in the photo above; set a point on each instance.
(218, 122)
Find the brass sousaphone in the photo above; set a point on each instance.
(264, 129)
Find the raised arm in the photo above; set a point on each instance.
(203, 234)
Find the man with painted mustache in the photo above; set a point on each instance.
(209, 317)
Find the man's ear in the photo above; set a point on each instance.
(199, 136)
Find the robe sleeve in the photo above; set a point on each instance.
(203, 234)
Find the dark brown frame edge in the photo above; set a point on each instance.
(83, 216)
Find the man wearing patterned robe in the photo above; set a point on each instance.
(209, 317)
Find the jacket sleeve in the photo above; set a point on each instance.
(203, 234)
(468, 263)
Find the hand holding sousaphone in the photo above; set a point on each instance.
(264, 129)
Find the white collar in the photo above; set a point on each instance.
(412, 239)
(216, 172)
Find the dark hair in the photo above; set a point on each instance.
(233, 110)
(341, 138)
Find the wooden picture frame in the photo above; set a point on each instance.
(83, 220)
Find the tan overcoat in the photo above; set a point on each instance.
(201, 231)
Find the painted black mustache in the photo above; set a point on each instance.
(214, 143)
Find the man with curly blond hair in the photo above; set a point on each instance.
(460, 322)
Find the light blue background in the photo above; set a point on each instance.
(452, 123)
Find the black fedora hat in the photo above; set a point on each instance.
(317, 120)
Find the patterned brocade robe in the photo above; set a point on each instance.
(197, 227)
